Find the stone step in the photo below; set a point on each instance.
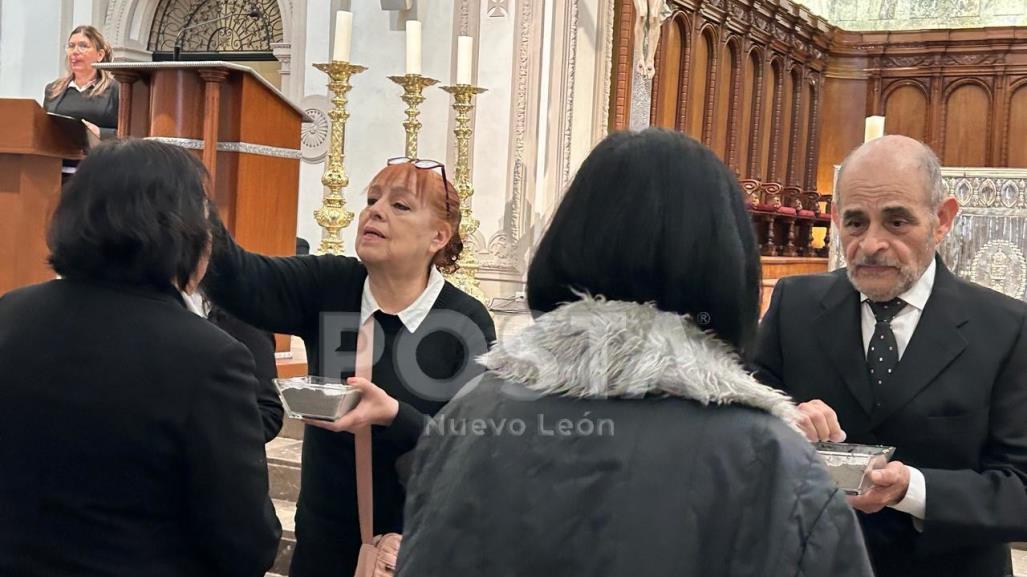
(283, 467)
(287, 516)
(291, 429)
(1020, 559)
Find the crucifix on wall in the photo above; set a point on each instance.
(648, 15)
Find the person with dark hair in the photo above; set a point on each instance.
(82, 91)
(426, 335)
(131, 441)
(620, 434)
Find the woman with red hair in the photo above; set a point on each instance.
(427, 334)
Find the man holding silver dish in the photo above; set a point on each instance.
(895, 350)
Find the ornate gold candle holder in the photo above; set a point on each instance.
(466, 277)
(413, 85)
(332, 217)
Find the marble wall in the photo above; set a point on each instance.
(920, 14)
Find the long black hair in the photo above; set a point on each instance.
(654, 217)
(135, 212)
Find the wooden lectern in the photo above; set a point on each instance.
(244, 129)
(32, 146)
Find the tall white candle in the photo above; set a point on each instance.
(343, 36)
(464, 57)
(413, 47)
(874, 128)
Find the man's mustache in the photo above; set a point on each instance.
(876, 260)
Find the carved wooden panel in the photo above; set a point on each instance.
(670, 63)
(966, 135)
(906, 110)
(699, 84)
(781, 95)
(1016, 140)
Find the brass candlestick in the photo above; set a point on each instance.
(332, 217)
(413, 85)
(466, 277)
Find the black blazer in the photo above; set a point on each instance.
(261, 345)
(129, 437)
(956, 409)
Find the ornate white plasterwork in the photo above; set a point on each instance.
(570, 75)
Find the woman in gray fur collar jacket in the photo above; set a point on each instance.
(620, 435)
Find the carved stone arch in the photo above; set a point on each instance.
(231, 29)
(128, 23)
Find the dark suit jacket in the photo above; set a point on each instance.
(130, 440)
(956, 409)
(261, 345)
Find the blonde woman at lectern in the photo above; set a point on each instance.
(83, 92)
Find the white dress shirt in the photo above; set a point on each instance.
(903, 325)
(413, 315)
(87, 86)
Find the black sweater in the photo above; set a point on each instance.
(101, 110)
(318, 298)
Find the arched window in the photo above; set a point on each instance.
(216, 29)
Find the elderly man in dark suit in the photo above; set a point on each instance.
(896, 350)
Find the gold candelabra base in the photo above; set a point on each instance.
(333, 216)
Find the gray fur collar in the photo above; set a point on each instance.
(595, 348)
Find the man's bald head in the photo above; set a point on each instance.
(898, 151)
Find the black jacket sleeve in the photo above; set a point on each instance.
(278, 294)
(262, 346)
(230, 513)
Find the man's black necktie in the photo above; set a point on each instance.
(883, 353)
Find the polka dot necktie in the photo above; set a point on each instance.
(883, 353)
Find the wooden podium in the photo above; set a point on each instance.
(244, 129)
(32, 146)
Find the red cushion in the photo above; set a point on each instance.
(807, 213)
(786, 210)
(769, 207)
